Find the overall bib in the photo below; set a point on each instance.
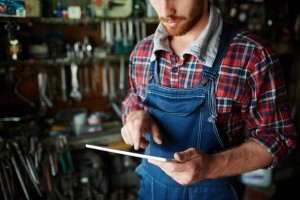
(186, 118)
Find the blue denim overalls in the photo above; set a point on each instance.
(186, 118)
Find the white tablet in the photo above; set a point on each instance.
(102, 148)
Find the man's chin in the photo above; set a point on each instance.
(175, 32)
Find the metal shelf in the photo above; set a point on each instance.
(58, 21)
(57, 62)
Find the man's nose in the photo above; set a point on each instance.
(167, 8)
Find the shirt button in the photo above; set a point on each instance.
(204, 80)
(175, 69)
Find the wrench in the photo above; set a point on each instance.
(137, 30)
(104, 79)
(9, 176)
(102, 35)
(18, 173)
(2, 186)
(9, 187)
(130, 32)
(108, 32)
(87, 49)
(144, 30)
(44, 100)
(63, 84)
(124, 32)
(32, 169)
(16, 91)
(122, 73)
(74, 54)
(95, 76)
(112, 91)
(87, 88)
(75, 94)
(28, 168)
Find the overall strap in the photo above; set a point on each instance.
(153, 70)
(210, 73)
(229, 31)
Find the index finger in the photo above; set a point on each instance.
(137, 135)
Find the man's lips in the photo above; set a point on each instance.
(171, 23)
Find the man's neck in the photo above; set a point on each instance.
(179, 44)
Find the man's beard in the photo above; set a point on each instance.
(182, 27)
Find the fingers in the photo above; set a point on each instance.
(170, 168)
(186, 155)
(137, 130)
(188, 167)
(131, 134)
(126, 136)
(155, 134)
(173, 169)
(137, 124)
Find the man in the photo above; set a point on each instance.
(194, 85)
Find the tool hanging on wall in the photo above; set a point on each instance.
(122, 73)
(130, 33)
(95, 76)
(16, 91)
(14, 46)
(87, 51)
(75, 55)
(44, 99)
(137, 30)
(63, 84)
(75, 93)
(104, 79)
(112, 91)
(144, 30)
(102, 32)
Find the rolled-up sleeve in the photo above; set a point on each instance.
(268, 113)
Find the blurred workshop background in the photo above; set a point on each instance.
(63, 76)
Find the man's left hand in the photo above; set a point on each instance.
(188, 167)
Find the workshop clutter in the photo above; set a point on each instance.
(12, 8)
(35, 169)
(42, 159)
(64, 73)
(70, 71)
(71, 77)
(71, 9)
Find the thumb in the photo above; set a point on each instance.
(155, 134)
(186, 155)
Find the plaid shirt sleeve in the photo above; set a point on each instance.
(138, 67)
(132, 100)
(267, 114)
(251, 89)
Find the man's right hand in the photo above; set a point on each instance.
(138, 124)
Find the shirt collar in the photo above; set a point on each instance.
(206, 45)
